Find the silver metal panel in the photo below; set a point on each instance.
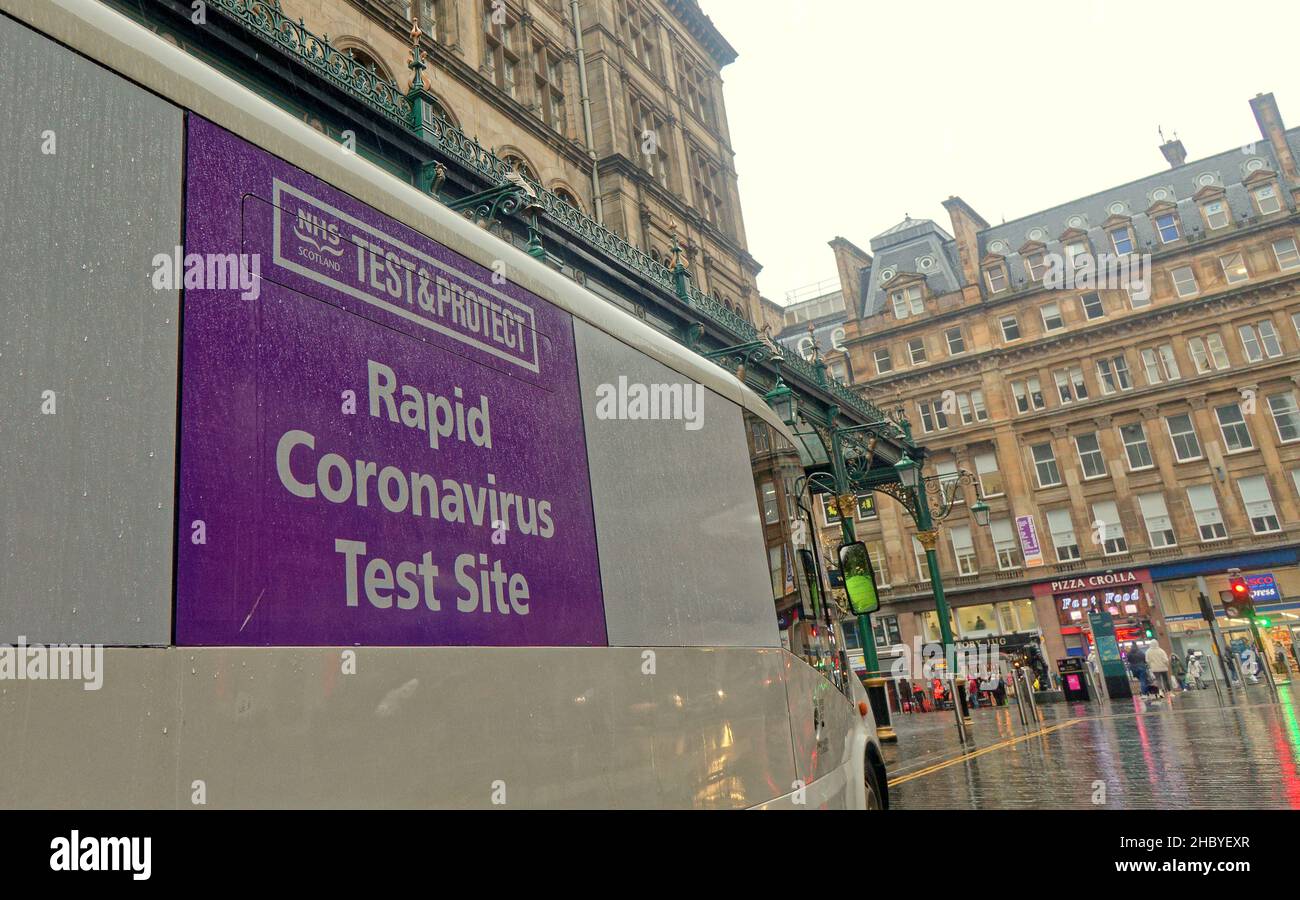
(85, 492)
(414, 727)
(682, 559)
(829, 736)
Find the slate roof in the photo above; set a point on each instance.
(905, 246)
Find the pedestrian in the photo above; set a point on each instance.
(1137, 661)
(1195, 669)
(1177, 669)
(1158, 664)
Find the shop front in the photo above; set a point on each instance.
(1274, 582)
(1126, 594)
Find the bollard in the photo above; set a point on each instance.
(956, 708)
(879, 695)
(1020, 698)
(1028, 679)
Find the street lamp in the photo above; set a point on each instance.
(980, 511)
(783, 401)
(908, 471)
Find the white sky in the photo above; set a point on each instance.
(846, 114)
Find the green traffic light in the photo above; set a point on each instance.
(1263, 622)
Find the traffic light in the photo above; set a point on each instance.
(1148, 629)
(1263, 623)
(1240, 590)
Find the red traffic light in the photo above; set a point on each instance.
(1239, 588)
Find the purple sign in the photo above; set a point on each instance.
(1029, 541)
(381, 441)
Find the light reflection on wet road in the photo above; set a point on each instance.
(1181, 753)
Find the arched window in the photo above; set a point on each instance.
(567, 196)
(365, 59)
(806, 348)
(837, 338)
(520, 165)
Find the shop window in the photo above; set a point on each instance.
(978, 621)
(930, 626)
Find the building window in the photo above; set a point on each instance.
(885, 628)
(650, 139)
(762, 443)
(1183, 435)
(1167, 225)
(972, 407)
(1260, 340)
(1287, 255)
(1105, 519)
(1052, 320)
(1216, 215)
(1286, 416)
(1045, 465)
(1159, 364)
(964, 549)
(693, 83)
(1121, 239)
(1035, 263)
(1090, 458)
(776, 568)
(1234, 268)
(1070, 384)
(1136, 447)
(1184, 281)
(1113, 374)
(707, 180)
(1205, 509)
(1010, 328)
(501, 60)
(1160, 529)
(916, 350)
(996, 278)
(1236, 436)
(986, 468)
(837, 339)
(1005, 544)
(922, 567)
(1208, 351)
(883, 361)
(1093, 308)
(548, 75)
(933, 417)
(1259, 504)
(638, 29)
(879, 562)
(1140, 299)
(1061, 526)
(907, 302)
(1028, 395)
(771, 511)
(956, 344)
(1266, 200)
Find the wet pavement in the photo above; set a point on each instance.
(1184, 752)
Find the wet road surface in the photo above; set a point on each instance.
(1184, 752)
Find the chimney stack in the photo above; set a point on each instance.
(1271, 128)
(1174, 151)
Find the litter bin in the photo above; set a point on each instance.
(1074, 678)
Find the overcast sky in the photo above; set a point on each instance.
(847, 114)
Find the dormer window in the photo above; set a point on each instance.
(1075, 249)
(996, 278)
(1216, 214)
(1122, 239)
(1035, 263)
(907, 302)
(1167, 226)
(1266, 199)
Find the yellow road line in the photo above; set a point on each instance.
(974, 753)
